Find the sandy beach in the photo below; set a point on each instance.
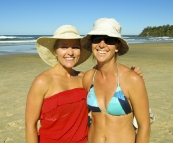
(17, 72)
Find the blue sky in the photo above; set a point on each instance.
(45, 16)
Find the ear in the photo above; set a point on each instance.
(116, 50)
(117, 47)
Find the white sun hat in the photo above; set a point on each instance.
(109, 27)
(45, 45)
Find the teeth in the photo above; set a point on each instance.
(69, 59)
(102, 52)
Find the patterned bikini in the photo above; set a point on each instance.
(118, 105)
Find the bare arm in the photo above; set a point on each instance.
(140, 104)
(33, 108)
(87, 81)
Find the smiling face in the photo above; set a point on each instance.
(104, 48)
(67, 52)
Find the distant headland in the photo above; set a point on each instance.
(165, 30)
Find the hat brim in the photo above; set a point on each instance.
(44, 46)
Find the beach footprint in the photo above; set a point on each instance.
(8, 139)
(9, 114)
(15, 124)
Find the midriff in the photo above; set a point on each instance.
(106, 128)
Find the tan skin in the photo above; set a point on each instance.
(106, 128)
(59, 78)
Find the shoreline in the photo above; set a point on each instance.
(31, 49)
(19, 70)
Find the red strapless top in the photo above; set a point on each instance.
(64, 117)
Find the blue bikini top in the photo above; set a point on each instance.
(118, 105)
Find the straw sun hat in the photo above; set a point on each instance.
(109, 27)
(45, 45)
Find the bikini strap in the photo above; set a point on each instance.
(94, 76)
(118, 75)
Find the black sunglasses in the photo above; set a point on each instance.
(95, 39)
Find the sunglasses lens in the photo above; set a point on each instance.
(110, 41)
(107, 40)
(96, 40)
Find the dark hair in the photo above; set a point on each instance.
(55, 45)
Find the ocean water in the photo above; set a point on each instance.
(11, 44)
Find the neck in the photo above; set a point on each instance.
(60, 70)
(108, 68)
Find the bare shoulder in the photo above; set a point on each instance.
(43, 77)
(42, 80)
(129, 75)
(89, 73)
(132, 84)
(87, 78)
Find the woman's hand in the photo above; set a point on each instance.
(137, 70)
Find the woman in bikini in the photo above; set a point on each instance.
(115, 93)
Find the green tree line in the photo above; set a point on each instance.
(165, 30)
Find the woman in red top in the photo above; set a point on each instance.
(57, 97)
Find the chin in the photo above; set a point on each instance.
(69, 65)
(101, 60)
